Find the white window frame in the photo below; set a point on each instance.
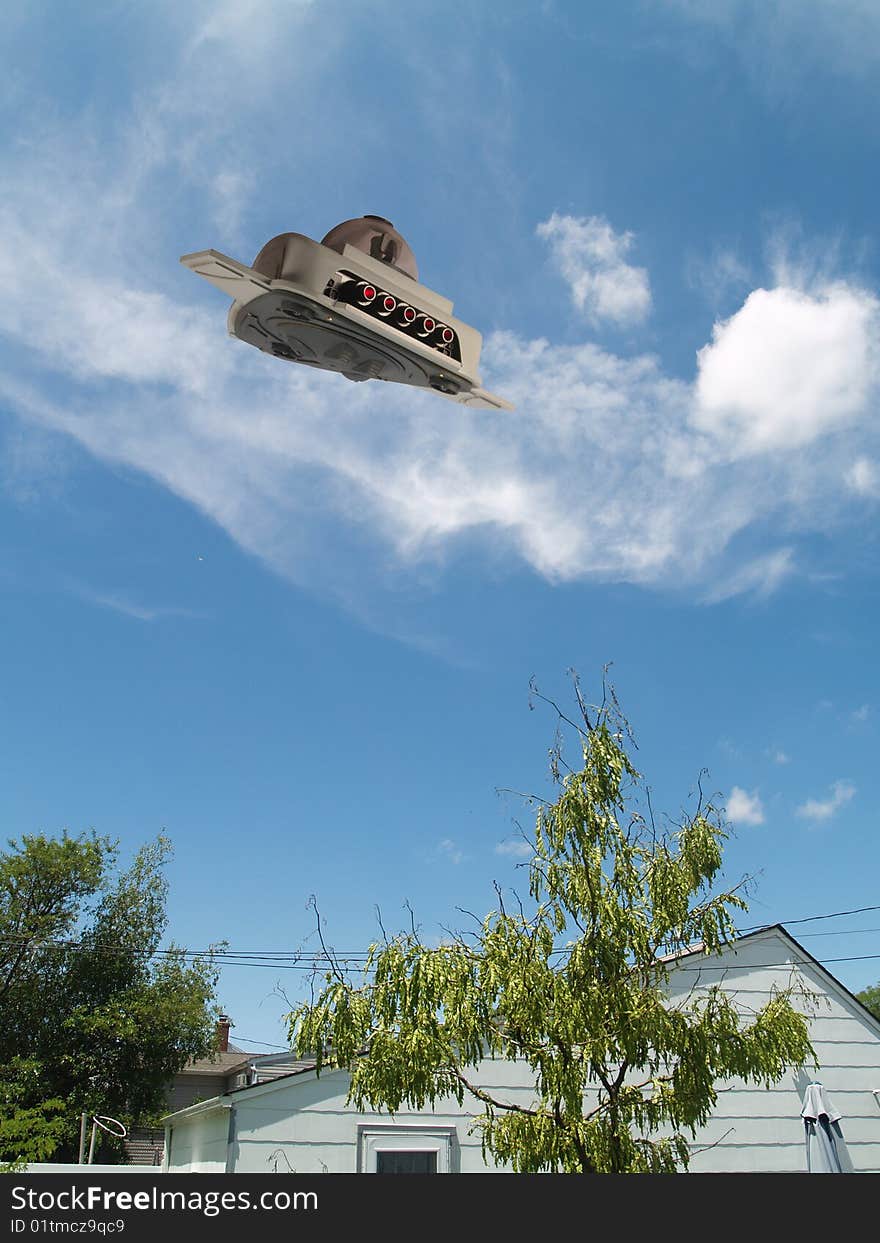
(372, 1140)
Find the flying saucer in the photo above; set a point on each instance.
(351, 303)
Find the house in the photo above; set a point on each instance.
(758, 1129)
(224, 1071)
(206, 1077)
(298, 1122)
(220, 1072)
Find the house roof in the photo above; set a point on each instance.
(277, 1065)
(224, 1101)
(782, 932)
(218, 1063)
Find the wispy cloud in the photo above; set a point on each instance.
(778, 756)
(515, 849)
(448, 850)
(760, 576)
(863, 477)
(823, 809)
(719, 277)
(592, 259)
(119, 602)
(787, 40)
(744, 808)
(240, 25)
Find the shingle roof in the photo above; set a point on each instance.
(217, 1063)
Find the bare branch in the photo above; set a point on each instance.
(326, 950)
(584, 733)
(412, 919)
(528, 798)
(706, 1147)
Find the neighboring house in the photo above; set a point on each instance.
(213, 1075)
(297, 1121)
(223, 1071)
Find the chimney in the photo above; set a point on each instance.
(223, 1026)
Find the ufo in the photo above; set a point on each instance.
(350, 303)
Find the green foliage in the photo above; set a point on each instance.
(870, 999)
(27, 1133)
(100, 1016)
(622, 1071)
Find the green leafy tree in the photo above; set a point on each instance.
(95, 1013)
(622, 1072)
(870, 999)
(27, 1133)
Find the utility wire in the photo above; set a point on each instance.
(860, 910)
(310, 960)
(324, 961)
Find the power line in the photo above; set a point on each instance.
(313, 960)
(809, 919)
(357, 964)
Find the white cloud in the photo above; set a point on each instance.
(780, 757)
(230, 190)
(760, 576)
(245, 29)
(863, 477)
(591, 257)
(744, 808)
(787, 368)
(719, 276)
(861, 714)
(450, 851)
(789, 39)
(823, 809)
(517, 849)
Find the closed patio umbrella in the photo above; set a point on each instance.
(826, 1148)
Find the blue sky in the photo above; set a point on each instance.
(292, 621)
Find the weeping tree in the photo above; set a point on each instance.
(573, 984)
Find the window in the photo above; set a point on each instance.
(406, 1149)
(405, 1162)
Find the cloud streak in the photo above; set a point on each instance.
(842, 793)
(120, 602)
